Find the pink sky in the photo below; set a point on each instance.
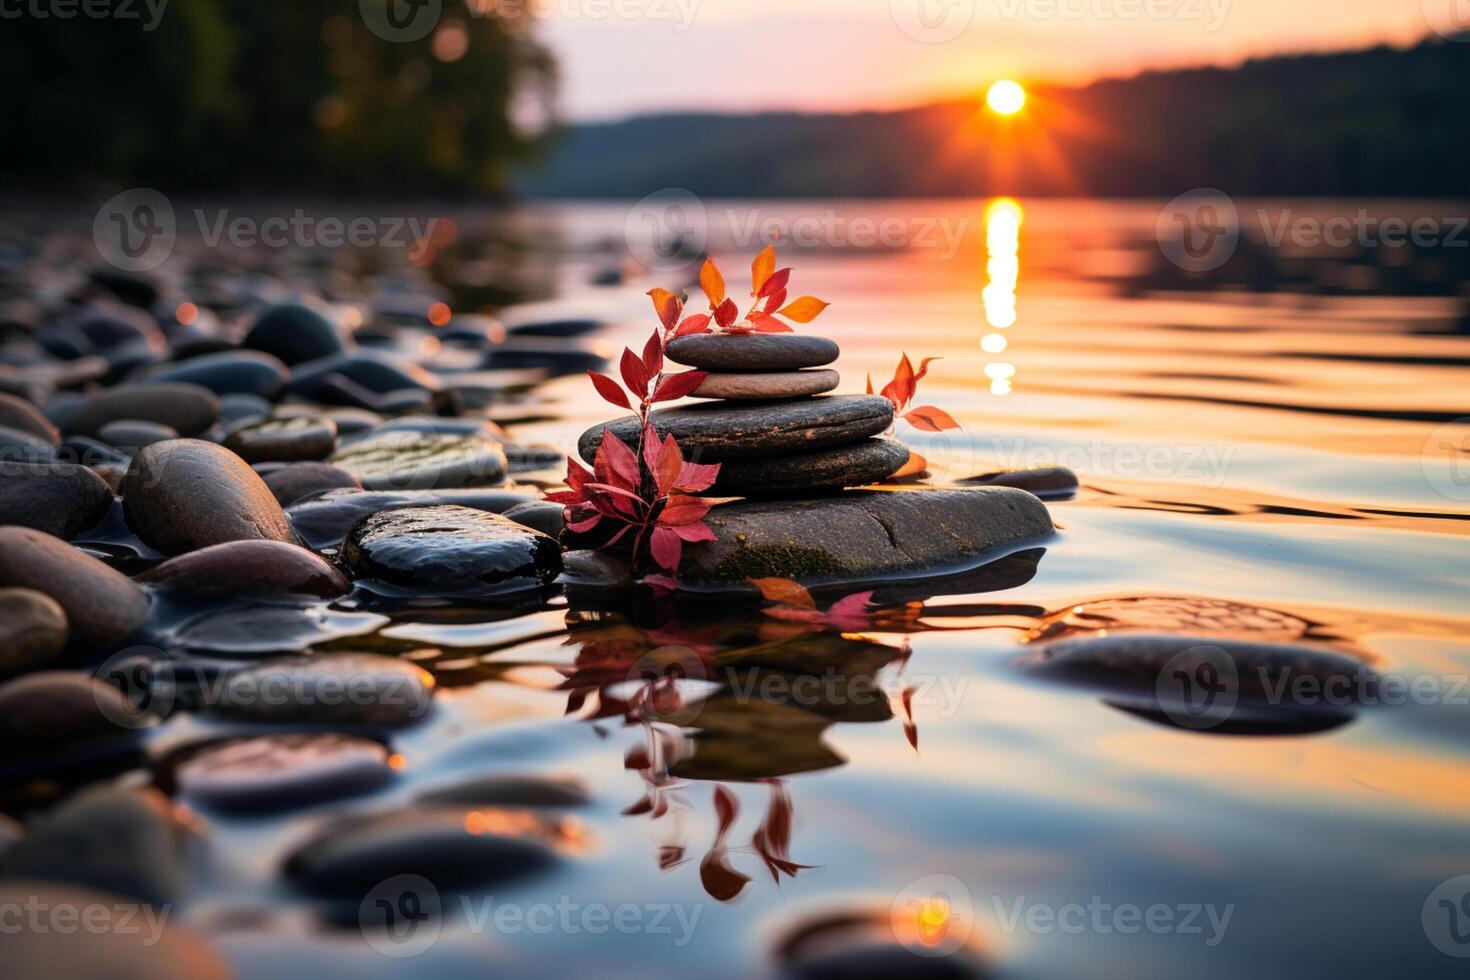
(620, 57)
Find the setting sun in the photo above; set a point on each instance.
(1006, 97)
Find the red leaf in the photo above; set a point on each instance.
(694, 533)
(777, 299)
(667, 466)
(727, 313)
(698, 323)
(615, 501)
(576, 474)
(712, 282)
(697, 476)
(924, 368)
(765, 323)
(666, 548)
(927, 418)
(678, 385)
(850, 611)
(727, 806)
(775, 284)
(609, 390)
(635, 375)
(762, 269)
(667, 306)
(616, 462)
(722, 882)
(785, 591)
(683, 510)
(582, 527)
(900, 391)
(653, 356)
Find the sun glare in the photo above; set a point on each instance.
(1006, 98)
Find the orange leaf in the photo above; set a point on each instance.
(712, 282)
(761, 269)
(804, 310)
(784, 591)
(667, 305)
(870, 382)
(927, 418)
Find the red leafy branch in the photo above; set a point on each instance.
(768, 290)
(901, 390)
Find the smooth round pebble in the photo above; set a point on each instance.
(757, 386)
(33, 631)
(751, 352)
(247, 568)
(238, 372)
(130, 435)
(450, 550)
(359, 689)
(530, 791)
(804, 473)
(296, 332)
(188, 408)
(187, 494)
(102, 605)
(22, 416)
(275, 771)
(288, 440)
(414, 461)
(291, 483)
(61, 499)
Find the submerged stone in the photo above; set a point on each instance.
(418, 461)
(282, 770)
(450, 550)
(323, 521)
(864, 535)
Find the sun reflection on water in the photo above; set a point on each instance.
(1003, 219)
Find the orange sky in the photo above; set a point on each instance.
(626, 56)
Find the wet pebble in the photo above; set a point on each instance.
(229, 373)
(289, 440)
(188, 408)
(187, 494)
(32, 631)
(114, 840)
(61, 499)
(21, 416)
(234, 409)
(1046, 481)
(55, 709)
(355, 689)
(450, 550)
(118, 942)
(540, 515)
(102, 605)
(414, 461)
(131, 435)
(527, 791)
(275, 771)
(297, 332)
(247, 568)
(291, 483)
(444, 845)
(324, 521)
(374, 371)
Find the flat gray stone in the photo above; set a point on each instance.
(420, 461)
(864, 535)
(802, 474)
(762, 385)
(715, 431)
(751, 352)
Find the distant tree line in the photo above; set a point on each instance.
(254, 94)
(1381, 121)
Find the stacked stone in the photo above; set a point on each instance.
(770, 426)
